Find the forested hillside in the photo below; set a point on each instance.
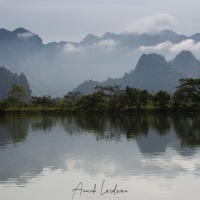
(7, 78)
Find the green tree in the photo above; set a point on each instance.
(17, 95)
(131, 96)
(3, 105)
(44, 101)
(90, 102)
(111, 96)
(71, 98)
(161, 99)
(143, 98)
(188, 92)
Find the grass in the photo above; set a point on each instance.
(56, 110)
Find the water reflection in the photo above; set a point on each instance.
(188, 130)
(122, 145)
(44, 123)
(105, 127)
(13, 128)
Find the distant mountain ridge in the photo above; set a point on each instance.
(136, 39)
(54, 68)
(20, 34)
(153, 73)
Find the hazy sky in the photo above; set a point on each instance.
(72, 20)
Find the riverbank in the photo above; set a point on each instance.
(38, 110)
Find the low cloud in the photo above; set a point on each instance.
(152, 23)
(105, 44)
(158, 47)
(188, 44)
(25, 35)
(70, 48)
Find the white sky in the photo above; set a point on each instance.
(72, 20)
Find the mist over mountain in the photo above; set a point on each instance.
(58, 67)
(153, 73)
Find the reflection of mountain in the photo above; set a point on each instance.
(155, 143)
(109, 144)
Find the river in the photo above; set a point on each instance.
(96, 156)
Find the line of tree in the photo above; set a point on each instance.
(109, 98)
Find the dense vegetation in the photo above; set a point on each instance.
(107, 98)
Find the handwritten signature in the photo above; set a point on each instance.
(114, 191)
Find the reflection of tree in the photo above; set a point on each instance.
(161, 123)
(135, 125)
(97, 124)
(155, 128)
(4, 137)
(16, 126)
(44, 123)
(69, 124)
(188, 130)
(107, 127)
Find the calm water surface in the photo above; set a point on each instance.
(94, 156)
